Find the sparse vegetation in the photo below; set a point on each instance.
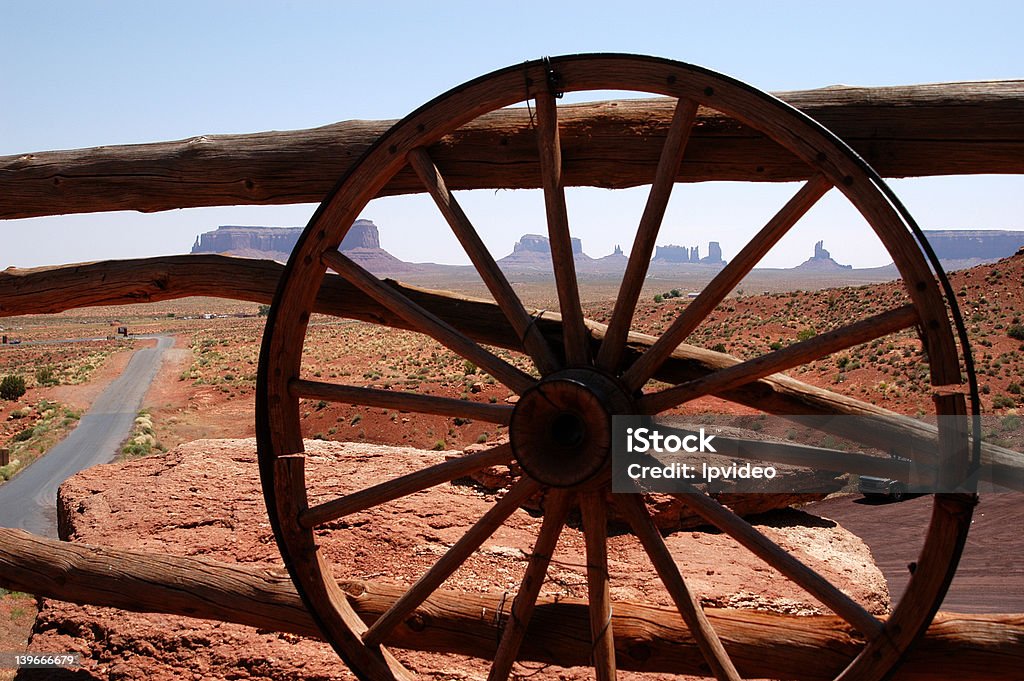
(12, 387)
(46, 376)
(1003, 402)
(51, 423)
(806, 334)
(142, 440)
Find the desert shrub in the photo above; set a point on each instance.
(263, 310)
(1016, 332)
(1003, 402)
(1013, 388)
(45, 376)
(1011, 422)
(806, 334)
(718, 347)
(12, 387)
(658, 298)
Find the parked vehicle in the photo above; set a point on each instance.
(877, 488)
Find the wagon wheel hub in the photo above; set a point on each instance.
(561, 429)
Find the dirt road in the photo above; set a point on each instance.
(29, 500)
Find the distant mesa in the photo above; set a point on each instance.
(361, 244)
(681, 254)
(961, 248)
(249, 242)
(533, 252)
(616, 259)
(535, 243)
(821, 261)
(362, 234)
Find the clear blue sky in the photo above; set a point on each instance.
(79, 74)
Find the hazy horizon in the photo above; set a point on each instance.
(703, 247)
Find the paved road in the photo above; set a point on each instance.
(990, 577)
(29, 500)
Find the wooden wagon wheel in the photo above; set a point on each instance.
(560, 427)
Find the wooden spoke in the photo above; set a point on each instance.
(780, 559)
(404, 485)
(577, 347)
(556, 510)
(632, 506)
(614, 342)
(450, 561)
(533, 341)
(595, 524)
(725, 281)
(803, 352)
(427, 322)
(819, 458)
(403, 401)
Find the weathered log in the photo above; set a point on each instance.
(941, 129)
(647, 638)
(118, 282)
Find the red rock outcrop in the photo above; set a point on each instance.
(204, 499)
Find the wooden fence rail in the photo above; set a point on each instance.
(647, 638)
(116, 282)
(941, 129)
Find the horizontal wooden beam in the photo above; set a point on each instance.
(148, 280)
(647, 638)
(918, 130)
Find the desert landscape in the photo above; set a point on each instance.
(388, 444)
(199, 412)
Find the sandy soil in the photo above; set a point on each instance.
(17, 614)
